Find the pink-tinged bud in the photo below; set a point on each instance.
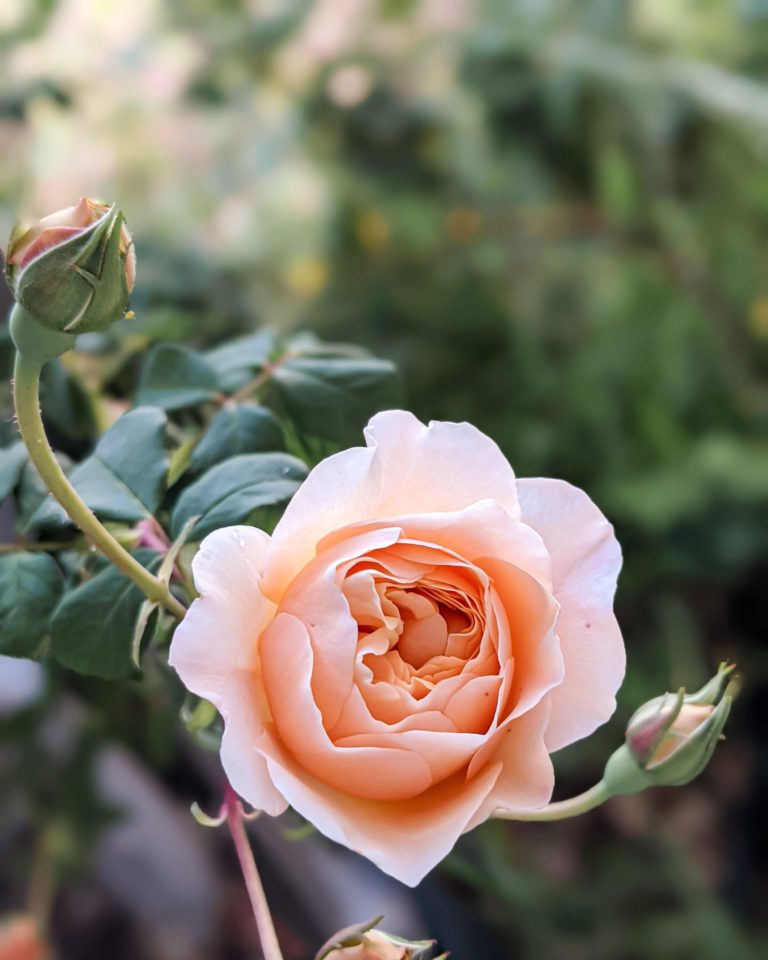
(20, 940)
(662, 728)
(363, 942)
(70, 273)
(671, 739)
(29, 241)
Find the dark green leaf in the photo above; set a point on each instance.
(67, 409)
(7, 353)
(92, 628)
(306, 344)
(236, 361)
(124, 478)
(12, 460)
(333, 397)
(230, 492)
(174, 377)
(244, 428)
(36, 505)
(30, 587)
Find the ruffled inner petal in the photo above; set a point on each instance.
(415, 658)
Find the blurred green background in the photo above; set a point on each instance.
(554, 217)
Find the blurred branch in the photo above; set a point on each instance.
(713, 89)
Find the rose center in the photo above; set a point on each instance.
(425, 634)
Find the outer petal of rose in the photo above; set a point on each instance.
(406, 468)
(405, 839)
(214, 652)
(242, 754)
(441, 467)
(586, 559)
(527, 777)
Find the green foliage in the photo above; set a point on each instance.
(92, 628)
(30, 587)
(232, 491)
(174, 377)
(68, 408)
(12, 460)
(333, 397)
(236, 361)
(34, 504)
(124, 477)
(236, 429)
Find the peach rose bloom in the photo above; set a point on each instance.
(399, 659)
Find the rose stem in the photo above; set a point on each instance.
(564, 808)
(26, 392)
(269, 943)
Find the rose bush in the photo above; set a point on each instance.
(418, 635)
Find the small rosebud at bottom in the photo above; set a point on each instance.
(364, 942)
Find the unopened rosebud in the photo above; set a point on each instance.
(20, 939)
(364, 942)
(671, 739)
(74, 270)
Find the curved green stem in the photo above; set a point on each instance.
(26, 392)
(564, 809)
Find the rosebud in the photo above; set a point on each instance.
(671, 739)
(74, 270)
(21, 940)
(363, 942)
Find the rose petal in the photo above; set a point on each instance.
(214, 651)
(527, 777)
(483, 529)
(407, 468)
(405, 840)
(385, 773)
(586, 559)
(317, 600)
(439, 468)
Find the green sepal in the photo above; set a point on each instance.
(37, 343)
(79, 285)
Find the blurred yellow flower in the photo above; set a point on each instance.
(307, 277)
(758, 317)
(372, 230)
